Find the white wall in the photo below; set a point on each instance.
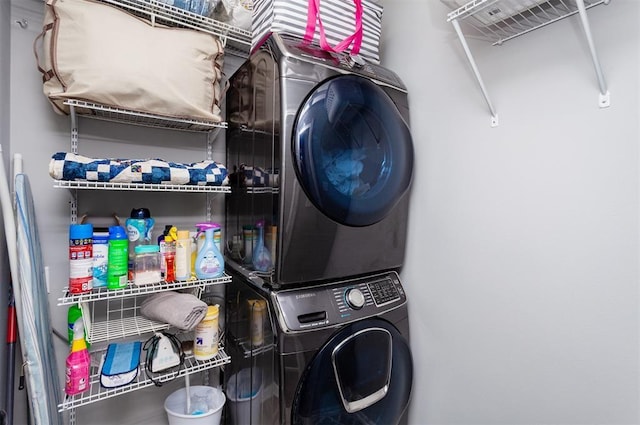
(522, 265)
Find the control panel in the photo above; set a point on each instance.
(339, 302)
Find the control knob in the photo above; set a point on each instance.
(355, 298)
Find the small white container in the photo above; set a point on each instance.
(175, 406)
(205, 342)
(146, 269)
(244, 391)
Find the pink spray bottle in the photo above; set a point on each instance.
(78, 366)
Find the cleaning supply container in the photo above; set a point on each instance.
(139, 227)
(118, 254)
(244, 394)
(183, 256)
(209, 262)
(176, 406)
(205, 341)
(80, 258)
(146, 265)
(78, 363)
(261, 257)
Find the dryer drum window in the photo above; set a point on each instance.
(353, 150)
(362, 375)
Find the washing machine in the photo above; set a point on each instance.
(321, 145)
(336, 353)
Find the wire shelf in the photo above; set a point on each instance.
(265, 189)
(143, 187)
(121, 317)
(101, 294)
(97, 393)
(249, 350)
(110, 330)
(109, 113)
(498, 21)
(164, 14)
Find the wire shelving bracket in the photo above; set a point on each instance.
(499, 21)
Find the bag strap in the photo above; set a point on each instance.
(355, 39)
(46, 75)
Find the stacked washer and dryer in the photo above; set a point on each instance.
(323, 156)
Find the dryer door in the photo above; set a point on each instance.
(353, 150)
(362, 375)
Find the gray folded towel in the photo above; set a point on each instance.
(184, 311)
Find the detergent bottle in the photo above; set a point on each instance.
(261, 258)
(209, 261)
(78, 364)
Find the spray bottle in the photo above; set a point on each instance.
(74, 314)
(261, 258)
(77, 377)
(209, 261)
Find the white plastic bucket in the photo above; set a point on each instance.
(176, 404)
(244, 397)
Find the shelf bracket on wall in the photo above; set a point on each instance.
(74, 129)
(210, 136)
(503, 20)
(603, 98)
(474, 67)
(73, 204)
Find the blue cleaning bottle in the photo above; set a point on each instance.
(209, 261)
(261, 258)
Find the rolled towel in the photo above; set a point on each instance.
(184, 311)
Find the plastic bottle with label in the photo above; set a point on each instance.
(257, 317)
(100, 256)
(209, 261)
(261, 258)
(162, 244)
(147, 265)
(80, 258)
(73, 315)
(183, 256)
(249, 238)
(169, 256)
(139, 227)
(78, 363)
(117, 258)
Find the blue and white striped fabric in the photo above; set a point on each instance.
(290, 17)
(73, 167)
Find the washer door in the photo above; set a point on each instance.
(363, 375)
(353, 150)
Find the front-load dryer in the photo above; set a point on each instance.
(322, 152)
(334, 353)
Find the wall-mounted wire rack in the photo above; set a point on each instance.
(98, 393)
(144, 187)
(99, 294)
(118, 315)
(498, 21)
(108, 113)
(115, 315)
(266, 189)
(237, 41)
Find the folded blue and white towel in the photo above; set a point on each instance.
(73, 167)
